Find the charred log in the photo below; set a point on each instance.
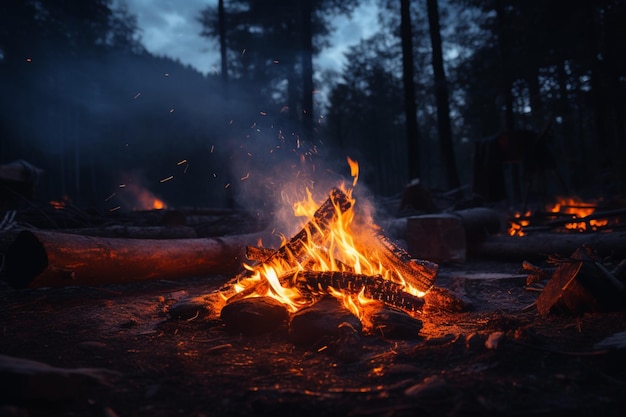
(419, 274)
(374, 287)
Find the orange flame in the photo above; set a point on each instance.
(516, 226)
(60, 204)
(576, 207)
(143, 199)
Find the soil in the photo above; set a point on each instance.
(500, 357)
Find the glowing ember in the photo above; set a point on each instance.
(332, 239)
(578, 209)
(143, 199)
(60, 204)
(516, 227)
(564, 210)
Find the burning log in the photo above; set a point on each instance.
(315, 231)
(258, 253)
(420, 274)
(294, 251)
(374, 287)
(50, 259)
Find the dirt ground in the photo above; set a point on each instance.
(498, 358)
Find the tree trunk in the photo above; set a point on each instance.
(507, 82)
(410, 108)
(307, 69)
(534, 95)
(441, 94)
(222, 31)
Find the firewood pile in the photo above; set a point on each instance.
(247, 303)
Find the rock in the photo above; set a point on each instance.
(91, 346)
(195, 307)
(322, 323)
(493, 340)
(390, 323)
(475, 341)
(253, 316)
(431, 387)
(24, 380)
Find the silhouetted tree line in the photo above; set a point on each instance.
(83, 100)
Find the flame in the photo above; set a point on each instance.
(345, 249)
(60, 204)
(143, 199)
(576, 207)
(516, 227)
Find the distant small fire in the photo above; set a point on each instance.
(61, 203)
(136, 197)
(578, 209)
(566, 214)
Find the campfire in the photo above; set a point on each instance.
(339, 252)
(567, 214)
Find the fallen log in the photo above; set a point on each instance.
(51, 259)
(538, 246)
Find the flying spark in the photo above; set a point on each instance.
(167, 179)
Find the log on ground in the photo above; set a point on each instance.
(540, 245)
(52, 259)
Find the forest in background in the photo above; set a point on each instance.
(85, 102)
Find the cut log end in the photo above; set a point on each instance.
(25, 259)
